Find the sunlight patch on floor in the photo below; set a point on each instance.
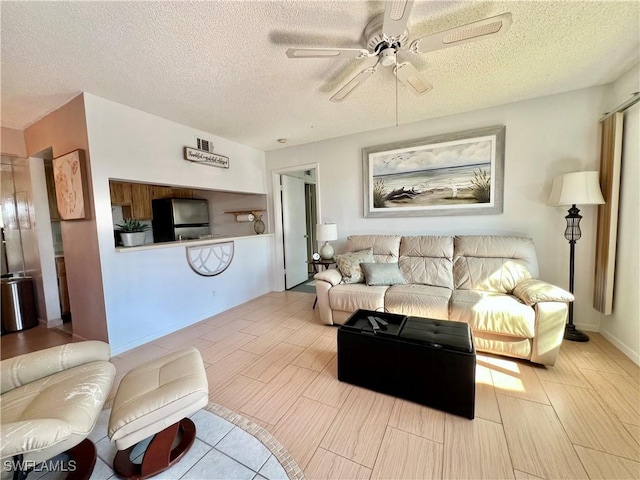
(483, 375)
(504, 373)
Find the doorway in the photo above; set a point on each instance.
(31, 230)
(296, 212)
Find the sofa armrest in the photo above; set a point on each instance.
(27, 368)
(532, 291)
(332, 276)
(550, 323)
(32, 435)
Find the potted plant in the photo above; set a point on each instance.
(132, 232)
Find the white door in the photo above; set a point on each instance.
(294, 230)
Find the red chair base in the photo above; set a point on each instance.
(84, 455)
(159, 455)
(82, 460)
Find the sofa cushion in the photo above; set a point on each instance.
(349, 265)
(418, 300)
(427, 260)
(351, 297)
(492, 312)
(382, 274)
(492, 263)
(502, 345)
(386, 248)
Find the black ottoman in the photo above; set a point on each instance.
(437, 365)
(431, 362)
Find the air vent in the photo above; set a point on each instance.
(205, 145)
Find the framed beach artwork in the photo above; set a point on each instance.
(451, 174)
(70, 179)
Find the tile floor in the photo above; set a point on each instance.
(272, 361)
(221, 450)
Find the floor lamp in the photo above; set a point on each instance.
(577, 188)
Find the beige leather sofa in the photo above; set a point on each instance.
(50, 402)
(489, 282)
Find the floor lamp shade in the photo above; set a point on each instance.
(326, 232)
(577, 188)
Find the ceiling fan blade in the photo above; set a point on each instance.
(328, 53)
(354, 83)
(411, 78)
(489, 27)
(396, 16)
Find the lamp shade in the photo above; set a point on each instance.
(576, 188)
(325, 232)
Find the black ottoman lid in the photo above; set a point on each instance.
(438, 334)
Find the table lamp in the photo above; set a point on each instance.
(577, 188)
(325, 232)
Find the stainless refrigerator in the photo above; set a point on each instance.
(180, 219)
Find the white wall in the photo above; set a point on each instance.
(544, 137)
(622, 327)
(151, 293)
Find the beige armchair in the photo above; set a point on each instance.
(49, 403)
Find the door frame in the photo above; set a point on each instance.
(278, 254)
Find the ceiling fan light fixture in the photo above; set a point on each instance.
(385, 37)
(388, 57)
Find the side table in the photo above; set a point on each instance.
(318, 266)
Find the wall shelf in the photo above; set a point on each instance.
(257, 212)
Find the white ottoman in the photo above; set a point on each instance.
(155, 399)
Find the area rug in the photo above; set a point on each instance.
(306, 287)
(227, 446)
(291, 468)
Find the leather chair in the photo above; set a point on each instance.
(49, 403)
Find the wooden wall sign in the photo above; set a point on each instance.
(70, 179)
(205, 158)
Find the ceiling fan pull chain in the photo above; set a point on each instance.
(396, 93)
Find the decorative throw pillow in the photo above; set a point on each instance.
(349, 265)
(382, 274)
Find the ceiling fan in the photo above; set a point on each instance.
(387, 35)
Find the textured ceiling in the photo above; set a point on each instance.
(220, 66)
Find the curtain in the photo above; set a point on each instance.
(607, 227)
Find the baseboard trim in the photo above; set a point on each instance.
(633, 356)
(55, 322)
(587, 327)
